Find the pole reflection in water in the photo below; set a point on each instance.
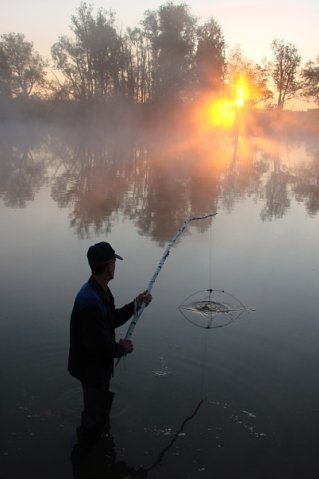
(101, 460)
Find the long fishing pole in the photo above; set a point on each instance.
(150, 285)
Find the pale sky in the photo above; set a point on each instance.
(251, 24)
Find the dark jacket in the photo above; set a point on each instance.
(92, 336)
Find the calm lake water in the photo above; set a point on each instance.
(193, 400)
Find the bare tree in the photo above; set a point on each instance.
(285, 70)
(310, 76)
(140, 65)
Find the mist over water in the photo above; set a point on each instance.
(148, 174)
(64, 188)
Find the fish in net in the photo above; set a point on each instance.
(211, 308)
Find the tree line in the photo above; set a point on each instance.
(168, 57)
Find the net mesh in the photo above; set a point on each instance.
(211, 308)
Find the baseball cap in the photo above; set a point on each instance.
(101, 253)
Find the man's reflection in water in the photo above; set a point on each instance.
(100, 463)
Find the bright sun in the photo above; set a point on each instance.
(221, 113)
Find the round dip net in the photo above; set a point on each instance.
(211, 308)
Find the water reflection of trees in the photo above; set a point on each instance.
(244, 173)
(178, 185)
(150, 183)
(306, 187)
(92, 180)
(23, 164)
(276, 191)
(154, 182)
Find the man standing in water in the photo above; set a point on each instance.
(92, 342)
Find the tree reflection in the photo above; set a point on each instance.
(171, 191)
(22, 166)
(93, 179)
(152, 184)
(244, 175)
(306, 187)
(154, 181)
(276, 191)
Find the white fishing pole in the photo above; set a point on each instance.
(140, 310)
